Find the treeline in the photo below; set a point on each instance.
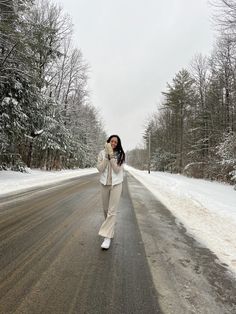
(193, 130)
(46, 118)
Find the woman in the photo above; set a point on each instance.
(110, 165)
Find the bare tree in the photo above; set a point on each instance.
(200, 113)
(47, 28)
(225, 16)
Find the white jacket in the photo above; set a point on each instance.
(102, 166)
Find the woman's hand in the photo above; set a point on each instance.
(108, 149)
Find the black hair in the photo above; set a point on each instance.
(119, 150)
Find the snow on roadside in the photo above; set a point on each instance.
(206, 209)
(12, 181)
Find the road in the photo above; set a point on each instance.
(51, 261)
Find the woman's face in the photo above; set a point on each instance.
(114, 142)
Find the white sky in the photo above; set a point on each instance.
(134, 47)
(207, 209)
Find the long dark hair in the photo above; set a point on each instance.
(119, 150)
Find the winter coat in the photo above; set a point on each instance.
(117, 172)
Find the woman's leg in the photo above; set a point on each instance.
(105, 190)
(107, 228)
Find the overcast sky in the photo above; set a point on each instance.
(134, 47)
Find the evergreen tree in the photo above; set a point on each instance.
(43, 91)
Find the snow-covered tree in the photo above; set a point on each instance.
(162, 160)
(226, 151)
(43, 90)
(180, 99)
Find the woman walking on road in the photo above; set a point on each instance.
(110, 165)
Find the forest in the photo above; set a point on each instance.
(193, 130)
(47, 119)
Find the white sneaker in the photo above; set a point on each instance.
(106, 243)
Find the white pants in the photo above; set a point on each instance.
(110, 201)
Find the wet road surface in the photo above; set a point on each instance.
(50, 256)
(51, 261)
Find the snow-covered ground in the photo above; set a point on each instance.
(11, 181)
(207, 209)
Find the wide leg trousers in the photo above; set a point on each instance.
(110, 201)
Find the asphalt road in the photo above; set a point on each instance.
(51, 260)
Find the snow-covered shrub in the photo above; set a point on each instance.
(226, 151)
(11, 161)
(162, 160)
(233, 174)
(195, 169)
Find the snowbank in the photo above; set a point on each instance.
(12, 181)
(207, 209)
